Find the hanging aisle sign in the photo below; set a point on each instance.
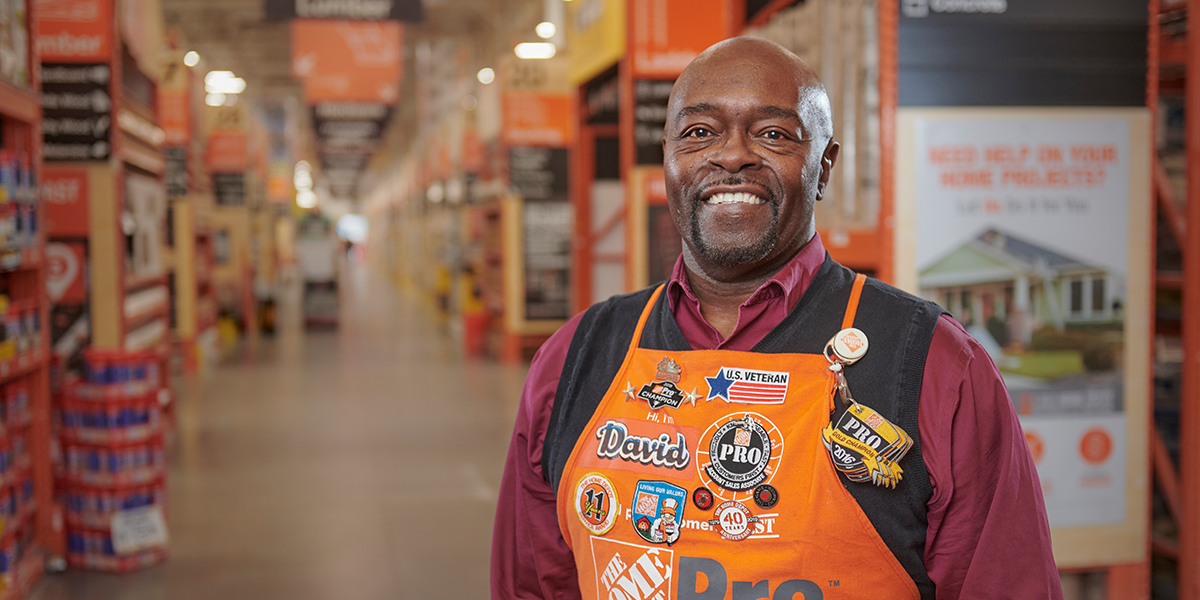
(74, 31)
(77, 112)
(596, 29)
(348, 61)
(1031, 227)
(361, 10)
(667, 34)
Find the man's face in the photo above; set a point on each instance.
(742, 164)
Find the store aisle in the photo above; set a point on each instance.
(359, 463)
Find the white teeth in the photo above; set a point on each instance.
(735, 198)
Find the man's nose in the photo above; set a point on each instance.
(735, 153)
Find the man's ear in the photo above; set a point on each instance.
(828, 159)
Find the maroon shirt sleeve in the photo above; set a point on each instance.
(988, 536)
(530, 559)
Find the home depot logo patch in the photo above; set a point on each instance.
(631, 572)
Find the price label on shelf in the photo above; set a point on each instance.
(138, 529)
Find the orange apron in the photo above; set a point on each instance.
(702, 475)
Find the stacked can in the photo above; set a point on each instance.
(113, 463)
(16, 476)
(18, 207)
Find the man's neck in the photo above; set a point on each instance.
(721, 299)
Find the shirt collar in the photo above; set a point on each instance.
(789, 283)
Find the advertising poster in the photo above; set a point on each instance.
(65, 196)
(1024, 229)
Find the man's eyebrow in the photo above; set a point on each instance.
(688, 111)
(778, 112)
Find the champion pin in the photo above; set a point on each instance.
(863, 445)
(662, 393)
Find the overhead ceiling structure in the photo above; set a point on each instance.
(238, 36)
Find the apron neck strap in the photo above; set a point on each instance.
(637, 333)
(852, 304)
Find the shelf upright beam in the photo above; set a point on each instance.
(1132, 580)
(889, 73)
(1189, 426)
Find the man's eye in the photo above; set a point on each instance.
(775, 135)
(698, 132)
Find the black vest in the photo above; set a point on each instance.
(888, 379)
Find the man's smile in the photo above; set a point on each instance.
(734, 198)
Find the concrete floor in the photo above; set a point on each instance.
(348, 464)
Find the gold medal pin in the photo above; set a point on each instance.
(863, 444)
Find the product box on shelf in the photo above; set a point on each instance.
(14, 412)
(114, 420)
(117, 375)
(114, 464)
(16, 500)
(14, 545)
(94, 507)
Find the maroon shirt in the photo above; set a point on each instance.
(987, 536)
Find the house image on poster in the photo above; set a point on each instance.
(1024, 285)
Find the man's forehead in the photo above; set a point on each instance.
(750, 75)
(767, 95)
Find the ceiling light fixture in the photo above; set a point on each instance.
(306, 199)
(545, 30)
(535, 50)
(191, 59)
(486, 75)
(214, 99)
(223, 82)
(436, 193)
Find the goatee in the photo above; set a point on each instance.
(732, 256)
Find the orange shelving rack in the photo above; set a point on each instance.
(31, 520)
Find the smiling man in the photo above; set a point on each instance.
(812, 433)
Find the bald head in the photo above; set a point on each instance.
(747, 152)
(744, 61)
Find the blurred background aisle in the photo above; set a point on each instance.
(361, 462)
